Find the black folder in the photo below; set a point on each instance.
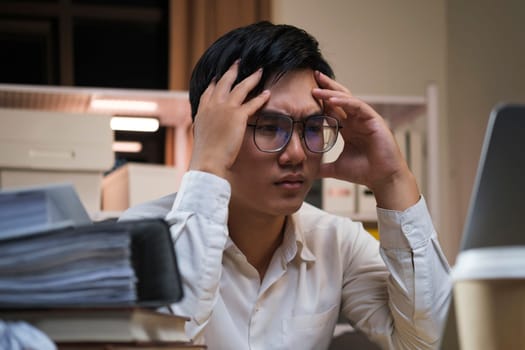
(154, 261)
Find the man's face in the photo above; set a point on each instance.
(277, 183)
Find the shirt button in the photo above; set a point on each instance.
(407, 228)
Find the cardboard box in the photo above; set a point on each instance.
(87, 184)
(339, 197)
(44, 147)
(366, 204)
(136, 183)
(55, 141)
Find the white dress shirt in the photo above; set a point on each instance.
(396, 291)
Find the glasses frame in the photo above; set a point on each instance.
(303, 138)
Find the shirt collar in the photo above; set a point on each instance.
(294, 242)
(229, 243)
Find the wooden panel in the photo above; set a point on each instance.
(194, 25)
(179, 38)
(169, 147)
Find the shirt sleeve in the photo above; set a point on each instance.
(411, 312)
(198, 224)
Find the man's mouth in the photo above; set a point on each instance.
(291, 182)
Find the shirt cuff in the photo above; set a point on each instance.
(203, 193)
(408, 229)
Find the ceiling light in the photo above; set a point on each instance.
(124, 105)
(135, 124)
(127, 146)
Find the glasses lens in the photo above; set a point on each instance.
(272, 132)
(320, 133)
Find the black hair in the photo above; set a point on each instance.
(276, 48)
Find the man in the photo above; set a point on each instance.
(263, 270)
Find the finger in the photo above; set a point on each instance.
(354, 107)
(226, 81)
(206, 95)
(242, 89)
(325, 94)
(256, 103)
(326, 82)
(333, 110)
(341, 103)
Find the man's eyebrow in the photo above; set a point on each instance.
(272, 113)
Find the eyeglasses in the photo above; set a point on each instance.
(271, 133)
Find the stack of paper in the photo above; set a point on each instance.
(52, 255)
(61, 268)
(34, 209)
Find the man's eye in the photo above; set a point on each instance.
(316, 128)
(269, 128)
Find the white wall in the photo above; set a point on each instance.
(486, 65)
(375, 47)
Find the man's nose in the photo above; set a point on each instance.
(294, 152)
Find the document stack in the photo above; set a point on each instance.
(27, 211)
(84, 284)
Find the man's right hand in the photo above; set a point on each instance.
(221, 119)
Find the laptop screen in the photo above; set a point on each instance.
(497, 204)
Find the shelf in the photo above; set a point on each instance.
(172, 108)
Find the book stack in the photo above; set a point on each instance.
(108, 327)
(87, 285)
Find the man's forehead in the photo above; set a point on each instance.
(270, 112)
